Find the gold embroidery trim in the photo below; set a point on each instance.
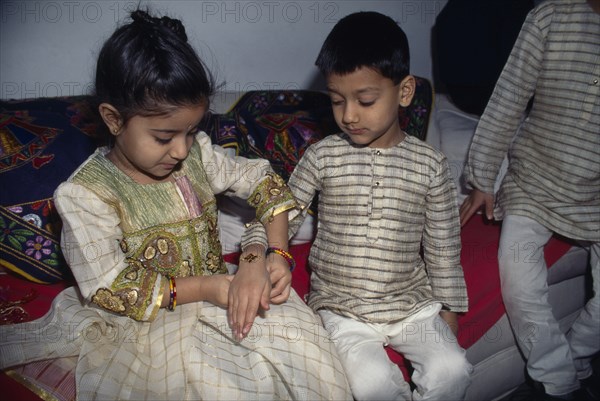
(271, 195)
(106, 299)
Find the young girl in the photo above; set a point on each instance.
(156, 314)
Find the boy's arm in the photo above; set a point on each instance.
(505, 110)
(441, 241)
(304, 183)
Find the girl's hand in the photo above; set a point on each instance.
(249, 291)
(215, 289)
(281, 277)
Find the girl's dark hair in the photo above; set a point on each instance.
(366, 39)
(147, 66)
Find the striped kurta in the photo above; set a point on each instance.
(554, 153)
(377, 209)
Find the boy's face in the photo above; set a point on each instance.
(365, 106)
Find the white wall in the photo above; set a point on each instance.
(48, 48)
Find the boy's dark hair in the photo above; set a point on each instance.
(148, 65)
(366, 39)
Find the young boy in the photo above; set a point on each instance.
(552, 186)
(382, 195)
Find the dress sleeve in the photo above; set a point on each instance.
(250, 179)
(303, 186)
(441, 242)
(90, 240)
(506, 107)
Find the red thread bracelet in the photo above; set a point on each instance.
(286, 255)
(172, 294)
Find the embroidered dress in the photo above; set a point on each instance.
(122, 241)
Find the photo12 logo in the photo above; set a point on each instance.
(64, 11)
(269, 11)
(30, 90)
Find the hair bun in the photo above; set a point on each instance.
(142, 17)
(174, 25)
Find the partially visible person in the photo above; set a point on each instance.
(552, 186)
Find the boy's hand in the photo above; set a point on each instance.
(473, 203)
(249, 290)
(281, 277)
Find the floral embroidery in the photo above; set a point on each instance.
(38, 247)
(228, 130)
(420, 111)
(260, 103)
(30, 240)
(290, 98)
(16, 237)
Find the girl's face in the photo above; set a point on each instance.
(365, 106)
(149, 149)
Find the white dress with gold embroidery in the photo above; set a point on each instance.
(122, 240)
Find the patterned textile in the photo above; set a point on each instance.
(414, 119)
(41, 143)
(274, 125)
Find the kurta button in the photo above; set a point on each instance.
(595, 82)
(377, 183)
(378, 152)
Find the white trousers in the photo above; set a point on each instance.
(554, 359)
(441, 370)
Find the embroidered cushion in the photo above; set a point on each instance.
(274, 125)
(42, 141)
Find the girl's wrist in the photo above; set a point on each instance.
(284, 254)
(252, 255)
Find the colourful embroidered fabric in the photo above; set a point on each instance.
(41, 143)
